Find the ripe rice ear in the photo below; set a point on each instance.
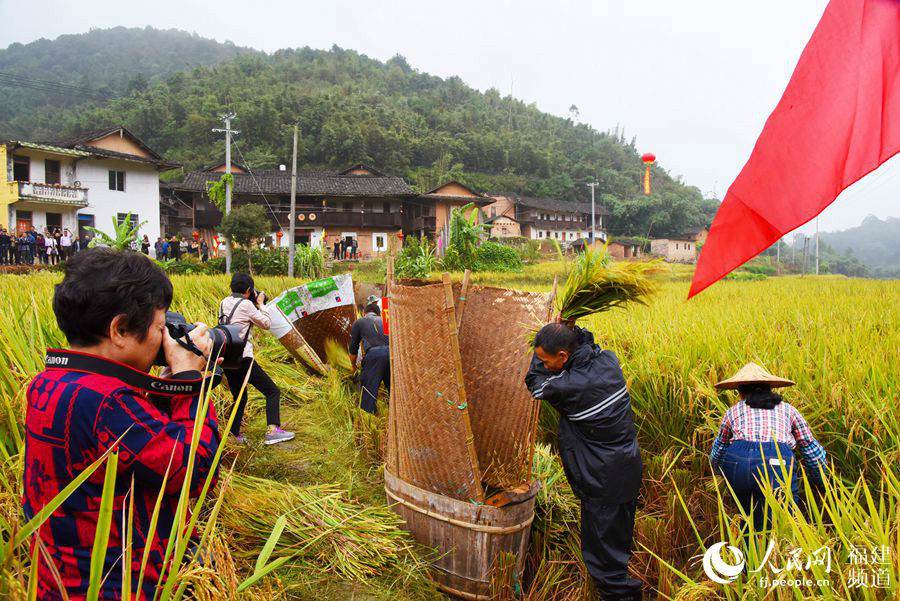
(336, 354)
(595, 285)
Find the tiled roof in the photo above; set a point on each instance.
(84, 139)
(308, 184)
(550, 204)
(478, 200)
(112, 154)
(496, 217)
(361, 166)
(51, 148)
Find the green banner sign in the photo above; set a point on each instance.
(290, 302)
(320, 288)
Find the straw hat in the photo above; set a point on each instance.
(753, 374)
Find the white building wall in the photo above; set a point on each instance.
(315, 237)
(141, 195)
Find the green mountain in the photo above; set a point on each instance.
(98, 65)
(354, 109)
(875, 242)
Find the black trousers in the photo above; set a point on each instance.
(606, 536)
(376, 368)
(261, 381)
(4, 254)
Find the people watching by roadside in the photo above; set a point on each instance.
(5, 247)
(51, 250)
(65, 245)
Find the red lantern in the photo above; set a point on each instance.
(279, 235)
(648, 158)
(195, 234)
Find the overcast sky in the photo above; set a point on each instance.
(694, 81)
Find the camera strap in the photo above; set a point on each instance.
(92, 364)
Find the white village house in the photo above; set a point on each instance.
(88, 181)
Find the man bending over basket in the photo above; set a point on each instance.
(598, 447)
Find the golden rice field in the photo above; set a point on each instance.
(838, 338)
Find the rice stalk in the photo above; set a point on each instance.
(594, 285)
(323, 530)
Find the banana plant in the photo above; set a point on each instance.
(124, 237)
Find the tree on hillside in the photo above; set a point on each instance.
(354, 109)
(244, 225)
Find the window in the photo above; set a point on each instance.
(676, 246)
(688, 246)
(51, 171)
(117, 181)
(386, 207)
(540, 233)
(120, 219)
(348, 206)
(379, 242)
(54, 220)
(21, 168)
(556, 235)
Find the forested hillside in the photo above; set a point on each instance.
(97, 65)
(875, 242)
(355, 109)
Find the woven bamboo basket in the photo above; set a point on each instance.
(430, 437)
(495, 324)
(461, 418)
(334, 323)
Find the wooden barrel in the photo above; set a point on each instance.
(467, 536)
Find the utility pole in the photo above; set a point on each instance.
(778, 256)
(593, 185)
(805, 253)
(227, 117)
(817, 246)
(293, 215)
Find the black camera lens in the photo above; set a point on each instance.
(226, 340)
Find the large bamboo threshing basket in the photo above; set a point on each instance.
(461, 418)
(305, 339)
(469, 537)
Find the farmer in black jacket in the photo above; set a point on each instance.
(598, 447)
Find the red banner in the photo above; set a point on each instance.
(838, 120)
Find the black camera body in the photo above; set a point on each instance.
(226, 340)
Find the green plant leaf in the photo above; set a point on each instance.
(101, 536)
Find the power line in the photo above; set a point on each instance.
(250, 171)
(50, 86)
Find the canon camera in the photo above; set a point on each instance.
(226, 340)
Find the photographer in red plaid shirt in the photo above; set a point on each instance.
(111, 307)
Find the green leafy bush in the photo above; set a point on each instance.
(760, 269)
(309, 263)
(491, 256)
(416, 259)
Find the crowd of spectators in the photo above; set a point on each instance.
(45, 247)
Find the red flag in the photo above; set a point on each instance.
(838, 120)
